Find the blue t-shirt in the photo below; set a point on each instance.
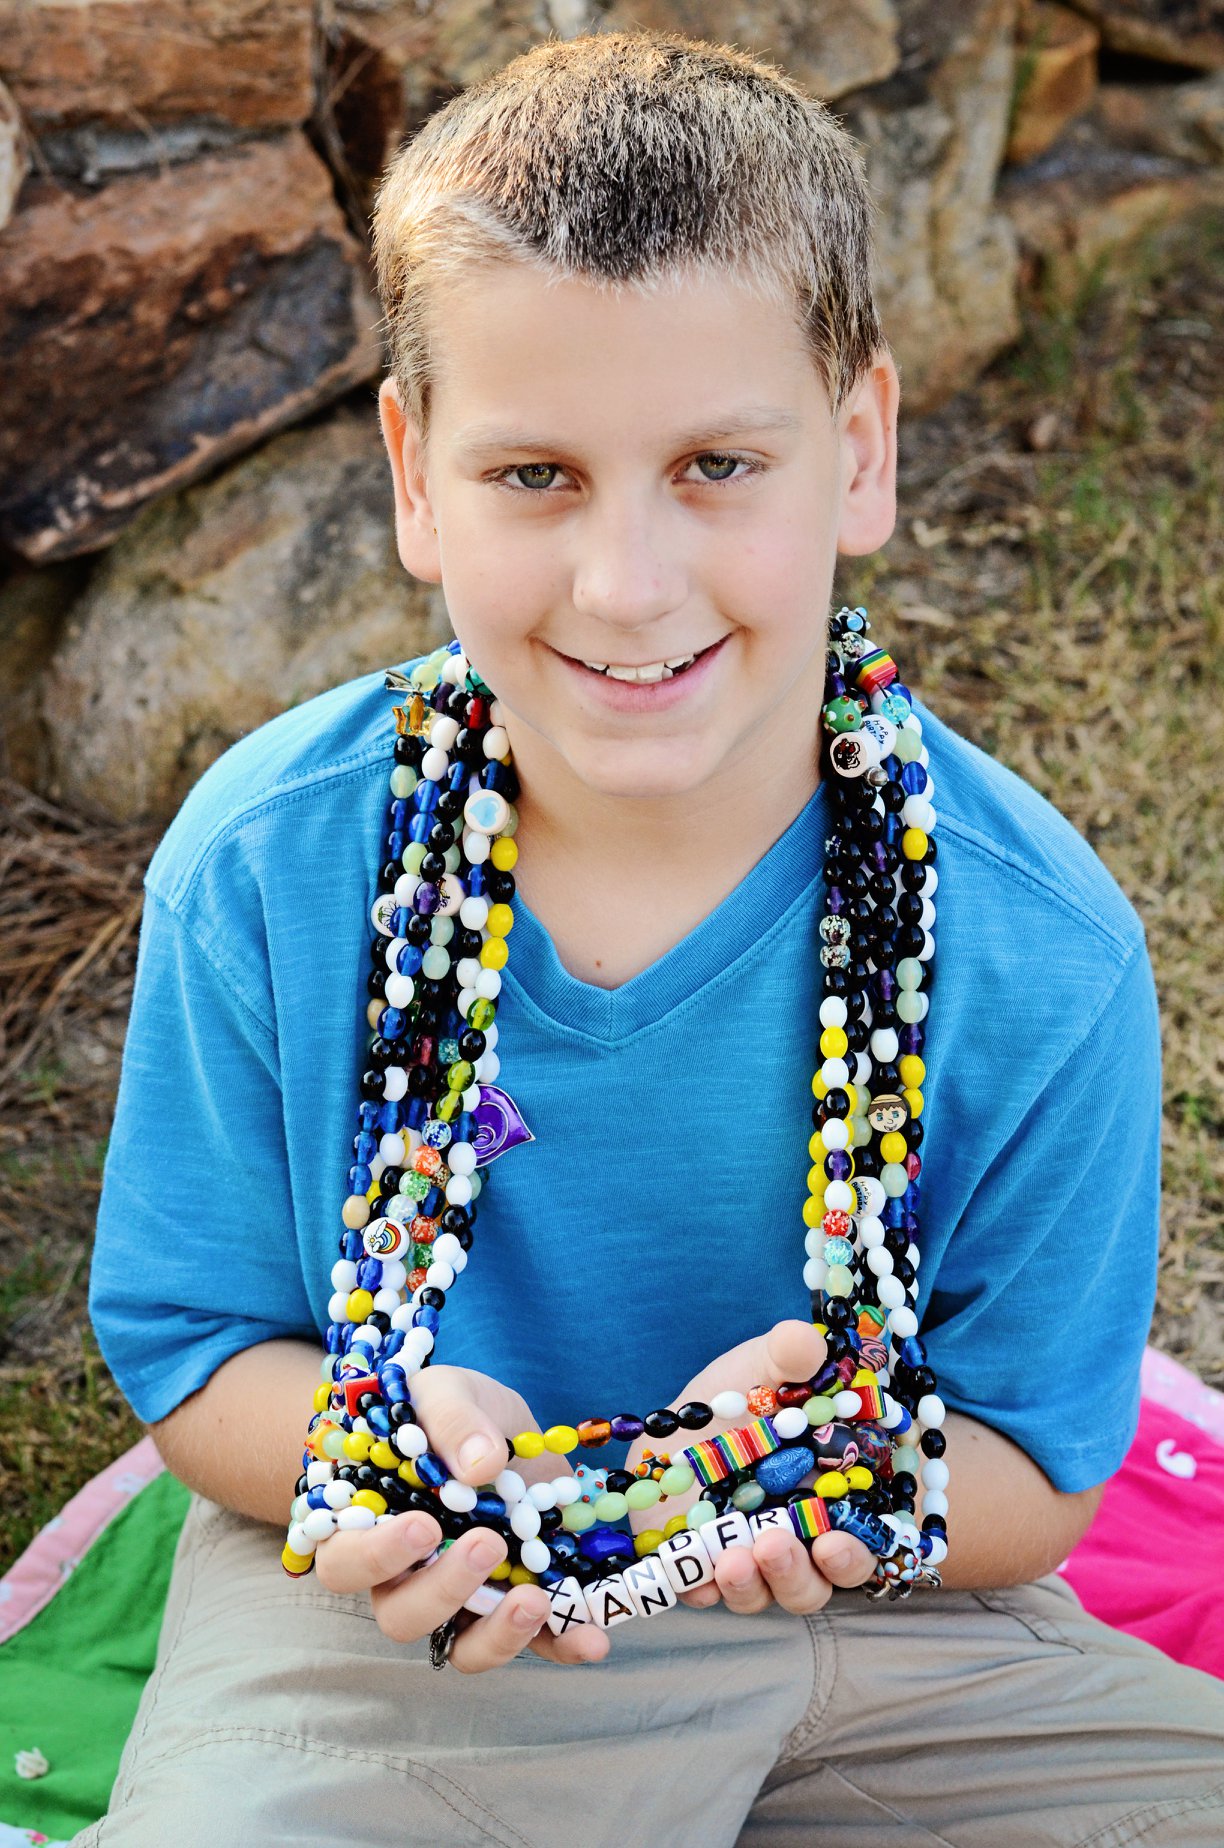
(655, 1220)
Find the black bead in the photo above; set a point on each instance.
(868, 1162)
(372, 1085)
(932, 1443)
(904, 1272)
(914, 1133)
(388, 873)
(618, 1480)
(432, 1297)
(693, 1415)
(419, 930)
(449, 805)
(923, 1381)
(913, 878)
(466, 943)
(456, 1219)
(382, 1052)
(471, 1043)
(389, 1181)
(909, 907)
(838, 1313)
(837, 1104)
(432, 867)
(500, 886)
(904, 1484)
(408, 750)
(660, 1423)
(376, 984)
(399, 1412)
(441, 837)
(301, 1486)
(894, 798)
(885, 1078)
(934, 1524)
(419, 1081)
(910, 939)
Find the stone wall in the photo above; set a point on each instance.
(195, 509)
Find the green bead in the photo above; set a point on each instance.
(460, 1076)
(435, 963)
(908, 745)
(819, 1410)
(403, 781)
(909, 1007)
(325, 1370)
(300, 1509)
(481, 1012)
(700, 1513)
(676, 1479)
(412, 856)
(511, 827)
(422, 1254)
(748, 1496)
(451, 858)
(611, 1507)
(449, 1105)
(893, 1179)
(333, 1444)
(843, 715)
(905, 1458)
(441, 930)
(578, 1517)
(414, 1185)
(643, 1493)
(839, 1280)
(909, 973)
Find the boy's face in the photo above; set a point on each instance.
(673, 485)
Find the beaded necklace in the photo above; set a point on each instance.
(842, 1450)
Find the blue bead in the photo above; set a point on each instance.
(425, 1318)
(408, 961)
(476, 881)
(431, 1205)
(391, 1117)
(912, 1351)
(399, 925)
(365, 1146)
(463, 1126)
(397, 840)
(378, 1421)
(457, 780)
(332, 1340)
(894, 828)
(431, 1469)
(369, 1274)
(352, 1246)
(563, 1545)
(489, 1507)
(368, 1113)
(346, 1337)
(427, 794)
(419, 830)
(903, 1424)
(315, 1498)
(551, 1576)
(894, 1212)
(360, 1180)
(392, 1345)
(602, 1542)
(418, 1112)
(913, 778)
(392, 1023)
(862, 1524)
(400, 813)
(784, 1470)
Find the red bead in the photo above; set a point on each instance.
(762, 1400)
(836, 1224)
(913, 1164)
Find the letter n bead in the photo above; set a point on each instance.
(648, 1585)
(569, 1607)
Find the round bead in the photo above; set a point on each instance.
(677, 1479)
(931, 1411)
(561, 1439)
(355, 1212)
(789, 1422)
(819, 1410)
(535, 1555)
(529, 1444)
(903, 1322)
(833, 1012)
(729, 1405)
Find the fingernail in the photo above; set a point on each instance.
(837, 1558)
(527, 1619)
(775, 1552)
(472, 1451)
(485, 1553)
(738, 1572)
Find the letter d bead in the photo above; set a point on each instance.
(685, 1560)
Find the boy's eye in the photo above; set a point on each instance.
(530, 473)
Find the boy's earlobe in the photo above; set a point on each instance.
(868, 511)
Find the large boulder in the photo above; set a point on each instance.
(1169, 31)
(163, 324)
(225, 604)
(14, 154)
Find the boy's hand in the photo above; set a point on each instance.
(778, 1567)
(457, 1405)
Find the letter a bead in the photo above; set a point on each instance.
(608, 1602)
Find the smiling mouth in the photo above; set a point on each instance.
(649, 671)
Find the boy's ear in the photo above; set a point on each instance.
(416, 533)
(868, 433)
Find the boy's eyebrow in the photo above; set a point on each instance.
(487, 439)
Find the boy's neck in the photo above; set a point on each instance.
(618, 881)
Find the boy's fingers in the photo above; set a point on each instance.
(499, 1637)
(842, 1559)
(742, 1586)
(415, 1605)
(359, 1560)
(792, 1350)
(465, 1417)
(787, 1571)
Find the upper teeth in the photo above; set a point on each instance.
(653, 670)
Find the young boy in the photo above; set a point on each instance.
(640, 402)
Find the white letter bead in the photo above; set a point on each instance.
(649, 1587)
(729, 1529)
(931, 1411)
(608, 1601)
(729, 1405)
(569, 1606)
(685, 1561)
(763, 1520)
(791, 1421)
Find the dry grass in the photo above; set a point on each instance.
(1054, 592)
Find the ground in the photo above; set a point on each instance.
(1053, 590)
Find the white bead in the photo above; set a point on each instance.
(834, 1133)
(319, 1524)
(928, 947)
(496, 742)
(395, 1083)
(938, 1552)
(913, 1254)
(935, 1473)
(846, 1405)
(836, 1073)
(815, 1274)
(931, 1411)
(934, 1501)
(394, 1275)
(474, 913)
(337, 1495)
(649, 1587)
(470, 1100)
(406, 888)
(439, 1276)
(839, 1198)
(791, 1421)
(566, 1489)
(391, 953)
(320, 1471)
(476, 846)
(490, 1033)
(299, 1540)
(833, 1011)
(928, 914)
(386, 1300)
(488, 1067)
(525, 1519)
(685, 1561)
(893, 1413)
(434, 765)
(466, 971)
(891, 1292)
(729, 1529)
(510, 1486)
(885, 1045)
(607, 1600)
(568, 1607)
(871, 1231)
(391, 1148)
(444, 1250)
(542, 1496)
(729, 1404)
(337, 1307)
(862, 1070)
(930, 882)
(880, 1261)
(457, 1495)
(458, 1189)
(488, 984)
(917, 812)
(443, 730)
(535, 1555)
(344, 1275)
(902, 1322)
(399, 990)
(355, 1520)
(464, 1001)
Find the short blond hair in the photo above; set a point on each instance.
(625, 159)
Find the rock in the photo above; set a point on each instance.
(225, 604)
(1184, 121)
(14, 155)
(1089, 208)
(828, 46)
(1170, 31)
(1056, 77)
(34, 608)
(243, 63)
(933, 137)
(168, 322)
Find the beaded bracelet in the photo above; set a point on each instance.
(844, 1450)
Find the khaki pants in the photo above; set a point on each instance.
(279, 1713)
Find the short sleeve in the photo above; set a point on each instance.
(194, 1235)
(1043, 1304)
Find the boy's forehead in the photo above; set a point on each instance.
(517, 353)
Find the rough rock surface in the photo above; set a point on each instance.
(166, 323)
(14, 155)
(1171, 31)
(224, 605)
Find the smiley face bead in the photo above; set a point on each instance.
(888, 1113)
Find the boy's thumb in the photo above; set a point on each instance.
(791, 1350)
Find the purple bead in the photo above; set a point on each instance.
(886, 984)
(426, 900)
(625, 1427)
(835, 901)
(911, 1038)
(837, 1165)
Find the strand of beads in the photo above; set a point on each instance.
(442, 916)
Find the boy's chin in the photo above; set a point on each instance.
(640, 771)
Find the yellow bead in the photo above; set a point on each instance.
(916, 1102)
(494, 952)
(370, 1498)
(519, 1575)
(408, 1473)
(863, 1377)
(819, 1087)
(561, 1439)
(529, 1444)
(355, 1212)
(830, 1487)
(648, 1541)
(501, 920)
(813, 1211)
(676, 1525)
(816, 1148)
(859, 1478)
(913, 843)
(322, 1397)
(297, 1563)
(502, 1569)
(359, 1305)
(893, 1146)
(833, 1042)
(817, 1179)
(503, 854)
(912, 1069)
(383, 1456)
